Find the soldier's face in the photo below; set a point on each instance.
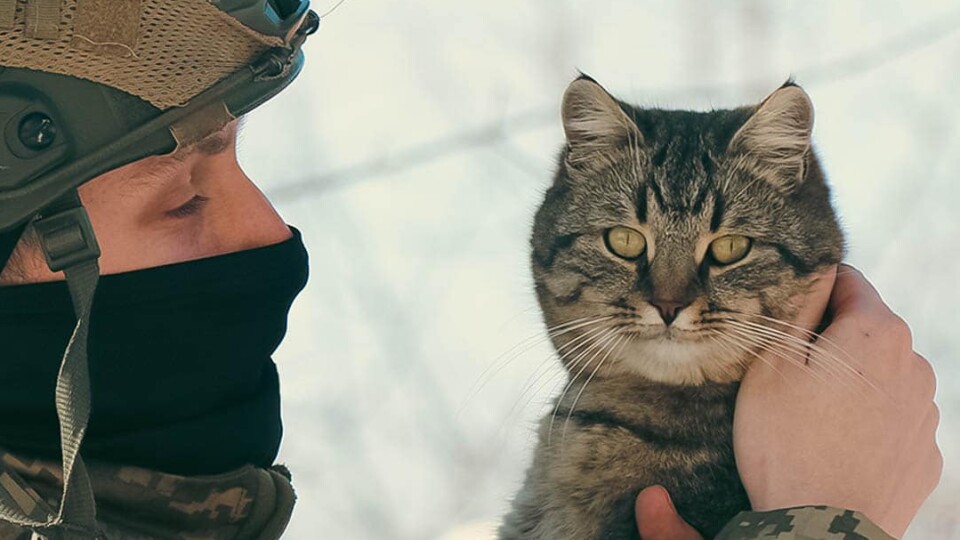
(193, 204)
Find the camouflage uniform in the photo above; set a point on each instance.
(256, 504)
(802, 523)
(138, 504)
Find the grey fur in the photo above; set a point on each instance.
(648, 402)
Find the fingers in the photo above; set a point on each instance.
(853, 293)
(657, 519)
(812, 304)
(815, 301)
(926, 377)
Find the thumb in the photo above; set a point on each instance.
(657, 519)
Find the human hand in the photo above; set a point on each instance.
(819, 434)
(657, 518)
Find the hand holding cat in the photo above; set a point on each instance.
(657, 518)
(821, 433)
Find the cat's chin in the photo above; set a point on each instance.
(678, 357)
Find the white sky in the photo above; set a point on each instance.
(415, 148)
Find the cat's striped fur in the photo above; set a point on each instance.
(650, 400)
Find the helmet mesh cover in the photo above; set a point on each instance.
(163, 51)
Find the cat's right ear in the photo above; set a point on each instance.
(594, 123)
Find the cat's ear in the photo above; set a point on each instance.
(594, 122)
(776, 139)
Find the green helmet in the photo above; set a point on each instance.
(96, 85)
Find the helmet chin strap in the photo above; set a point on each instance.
(69, 245)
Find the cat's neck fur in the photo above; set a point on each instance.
(667, 410)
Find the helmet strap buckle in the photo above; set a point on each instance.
(66, 234)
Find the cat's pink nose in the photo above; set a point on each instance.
(668, 309)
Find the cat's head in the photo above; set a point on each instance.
(670, 239)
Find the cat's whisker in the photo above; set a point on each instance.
(808, 333)
(810, 349)
(831, 362)
(732, 354)
(814, 335)
(743, 346)
(524, 401)
(834, 375)
(563, 434)
(538, 379)
(802, 349)
(598, 347)
(780, 349)
(596, 336)
(574, 323)
(505, 358)
(711, 335)
(564, 352)
(805, 348)
(538, 338)
(592, 335)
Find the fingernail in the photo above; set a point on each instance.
(666, 496)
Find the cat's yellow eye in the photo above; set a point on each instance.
(729, 249)
(625, 242)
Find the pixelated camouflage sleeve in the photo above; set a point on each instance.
(802, 523)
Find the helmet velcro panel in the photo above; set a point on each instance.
(163, 51)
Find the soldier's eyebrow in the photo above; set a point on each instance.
(152, 170)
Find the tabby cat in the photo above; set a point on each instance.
(667, 252)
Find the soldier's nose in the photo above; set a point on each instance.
(668, 309)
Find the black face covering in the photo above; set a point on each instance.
(181, 375)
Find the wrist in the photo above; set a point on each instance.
(803, 522)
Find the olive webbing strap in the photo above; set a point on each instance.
(42, 19)
(21, 505)
(69, 245)
(77, 506)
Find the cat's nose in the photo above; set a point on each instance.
(668, 309)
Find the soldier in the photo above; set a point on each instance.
(119, 124)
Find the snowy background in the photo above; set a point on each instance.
(415, 148)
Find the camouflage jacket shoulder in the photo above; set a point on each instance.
(248, 503)
(802, 523)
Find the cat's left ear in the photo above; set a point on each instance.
(776, 140)
(594, 123)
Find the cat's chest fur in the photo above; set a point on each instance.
(622, 436)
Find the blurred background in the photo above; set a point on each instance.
(415, 148)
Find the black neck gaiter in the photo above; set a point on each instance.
(181, 373)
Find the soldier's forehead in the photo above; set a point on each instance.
(212, 144)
